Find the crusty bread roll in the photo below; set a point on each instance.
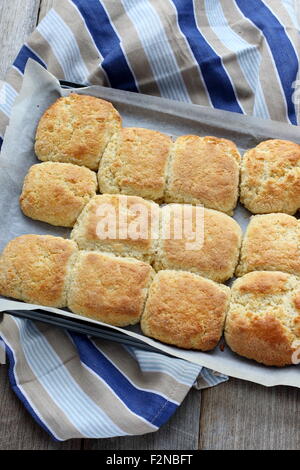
(215, 258)
(119, 224)
(271, 243)
(36, 269)
(263, 322)
(185, 310)
(135, 163)
(270, 177)
(56, 193)
(109, 289)
(76, 129)
(204, 170)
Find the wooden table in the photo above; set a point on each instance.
(233, 415)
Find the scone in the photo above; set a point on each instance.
(57, 192)
(185, 310)
(135, 163)
(263, 322)
(36, 269)
(76, 129)
(109, 289)
(208, 244)
(271, 243)
(270, 177)
(119, 224)
(204, 170)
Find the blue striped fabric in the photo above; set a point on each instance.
(108, 43)
(74, 386)
(218, 82)
(282, 49)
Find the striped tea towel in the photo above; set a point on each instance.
(237, 55)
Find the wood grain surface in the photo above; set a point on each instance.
(233, 415)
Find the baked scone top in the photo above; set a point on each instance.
(270, 177)
(123, 225)
(57, 192)
(76, 129)
(185, 310)
(204, 170)
(263, 322)
(216, 254)
(108, 288)
(135, 163)
(271, 243)
(36, 269)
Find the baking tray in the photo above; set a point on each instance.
(39, 90)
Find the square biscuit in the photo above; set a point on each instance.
(185, 310)
(76, 129)
(56, 193)
(271, 243)
(135, 163)
(202, 241)
(119, 224)
(109, 289)
(263, 321)
(36, 269)
(204, 170)
(270, 177)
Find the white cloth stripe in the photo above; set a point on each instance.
(36, 411)
(60, 385)
(160, 55)
(130, 381)
(275, 70)
(289, 5)
(221, 59)
(7, 98)
(166, 365)
(248, 56)
(295, 50)
(151, 426)
(64, 45)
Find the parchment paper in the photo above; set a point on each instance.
(39, 90)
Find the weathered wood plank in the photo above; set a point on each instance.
(18, 430)
(17, 21)
(45, 6)
(241, 415)
(180, 433)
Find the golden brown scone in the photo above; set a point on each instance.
(216, 257)
(36, 269)
(76, 129)
(204, 170)
(122, 225)
(271, 243)
(135, 163)
(185, 310)
(263, 322)
(270, 177)
(57, 192)
(109, 289)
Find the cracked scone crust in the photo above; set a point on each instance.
(271, 243)
(216, 254)
(134, 224)
(56, 193)
(36, 269)
(270, 177)
(204, 170)
(135, 163)
(76, 129)
(263, 322)
(185, 310)
(109, 289)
